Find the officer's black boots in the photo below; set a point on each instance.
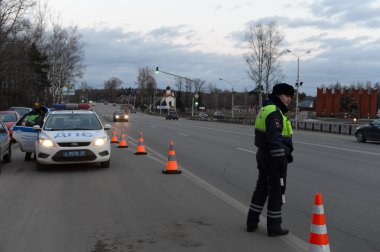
(251, 229)
(277, 232)
(28, 156)
(252, 221)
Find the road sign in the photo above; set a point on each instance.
(196, 96)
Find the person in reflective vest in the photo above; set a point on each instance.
(35, 117)
(273, 138)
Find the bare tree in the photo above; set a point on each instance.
(65, 53)
(146, 83)
(263, 56)
(110, 86)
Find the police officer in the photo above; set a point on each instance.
(273, 137)
(35, 117)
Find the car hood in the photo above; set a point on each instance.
(73, 135)
(363, 126)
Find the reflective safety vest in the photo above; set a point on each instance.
(287, 130)
(32, 118)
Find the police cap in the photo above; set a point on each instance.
(283, 88)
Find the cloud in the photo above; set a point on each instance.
(116, 53)
(343, 36)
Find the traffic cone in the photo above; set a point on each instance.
(171, 164)
(114, 137)
(319, 240)
(140, 148)
(123, 141)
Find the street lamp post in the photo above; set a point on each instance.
(232, 91)
(298, 80)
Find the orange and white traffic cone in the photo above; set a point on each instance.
(123, 141)
(114, 137)
(171, 164)
(319, 240)
(140, 149)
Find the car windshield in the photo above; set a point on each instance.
(8, 117)
(72, 122)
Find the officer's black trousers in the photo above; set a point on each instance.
(269, 187)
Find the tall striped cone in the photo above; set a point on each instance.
(140, 149)
(171, 164)
(319, 240)
(123, 141)
(114, 137)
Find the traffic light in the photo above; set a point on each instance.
(196, 104)
(157, 70)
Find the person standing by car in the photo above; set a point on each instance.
(35, 117)
(273, 137)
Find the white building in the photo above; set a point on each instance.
(168, 98)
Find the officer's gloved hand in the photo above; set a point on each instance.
(289, 158)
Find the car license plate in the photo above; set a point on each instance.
(74, 153)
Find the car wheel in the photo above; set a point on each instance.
(360, 136)
(8, 157)
(105, 164)
(41, 167)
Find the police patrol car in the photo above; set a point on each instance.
(72, 136)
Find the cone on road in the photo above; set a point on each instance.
(140, 148)
(123, 141)
(319, 240)
(114, 137)
(171, 164)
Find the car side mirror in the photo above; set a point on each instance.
(36, 127)
(107, 126)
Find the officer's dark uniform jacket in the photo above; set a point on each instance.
(273, 132)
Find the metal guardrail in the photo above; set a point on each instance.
(318, 126)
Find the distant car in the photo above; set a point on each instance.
(120, 115)
(172, 114)
(126, 107)
(370, 131)
(5, 145)
(218, 115)
(132, 110)
(21, 110)
(10, 118)
(203, 115)
(113, 104)
(72, 137)
(105, 103)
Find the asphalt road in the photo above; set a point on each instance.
(132, 206)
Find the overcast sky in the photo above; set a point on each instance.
(205, 39)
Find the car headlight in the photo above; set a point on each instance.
(45, 142)
(126, 116)
(100, 141)
(117, 116)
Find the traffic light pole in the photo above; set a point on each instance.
(181, 77)
(192, 107)
(159, 71)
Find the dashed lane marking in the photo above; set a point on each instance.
(250, 151)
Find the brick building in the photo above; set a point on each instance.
(364, 101)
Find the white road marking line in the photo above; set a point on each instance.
(182, 134)
(339, 148)
(152, 126)
(250, 151)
